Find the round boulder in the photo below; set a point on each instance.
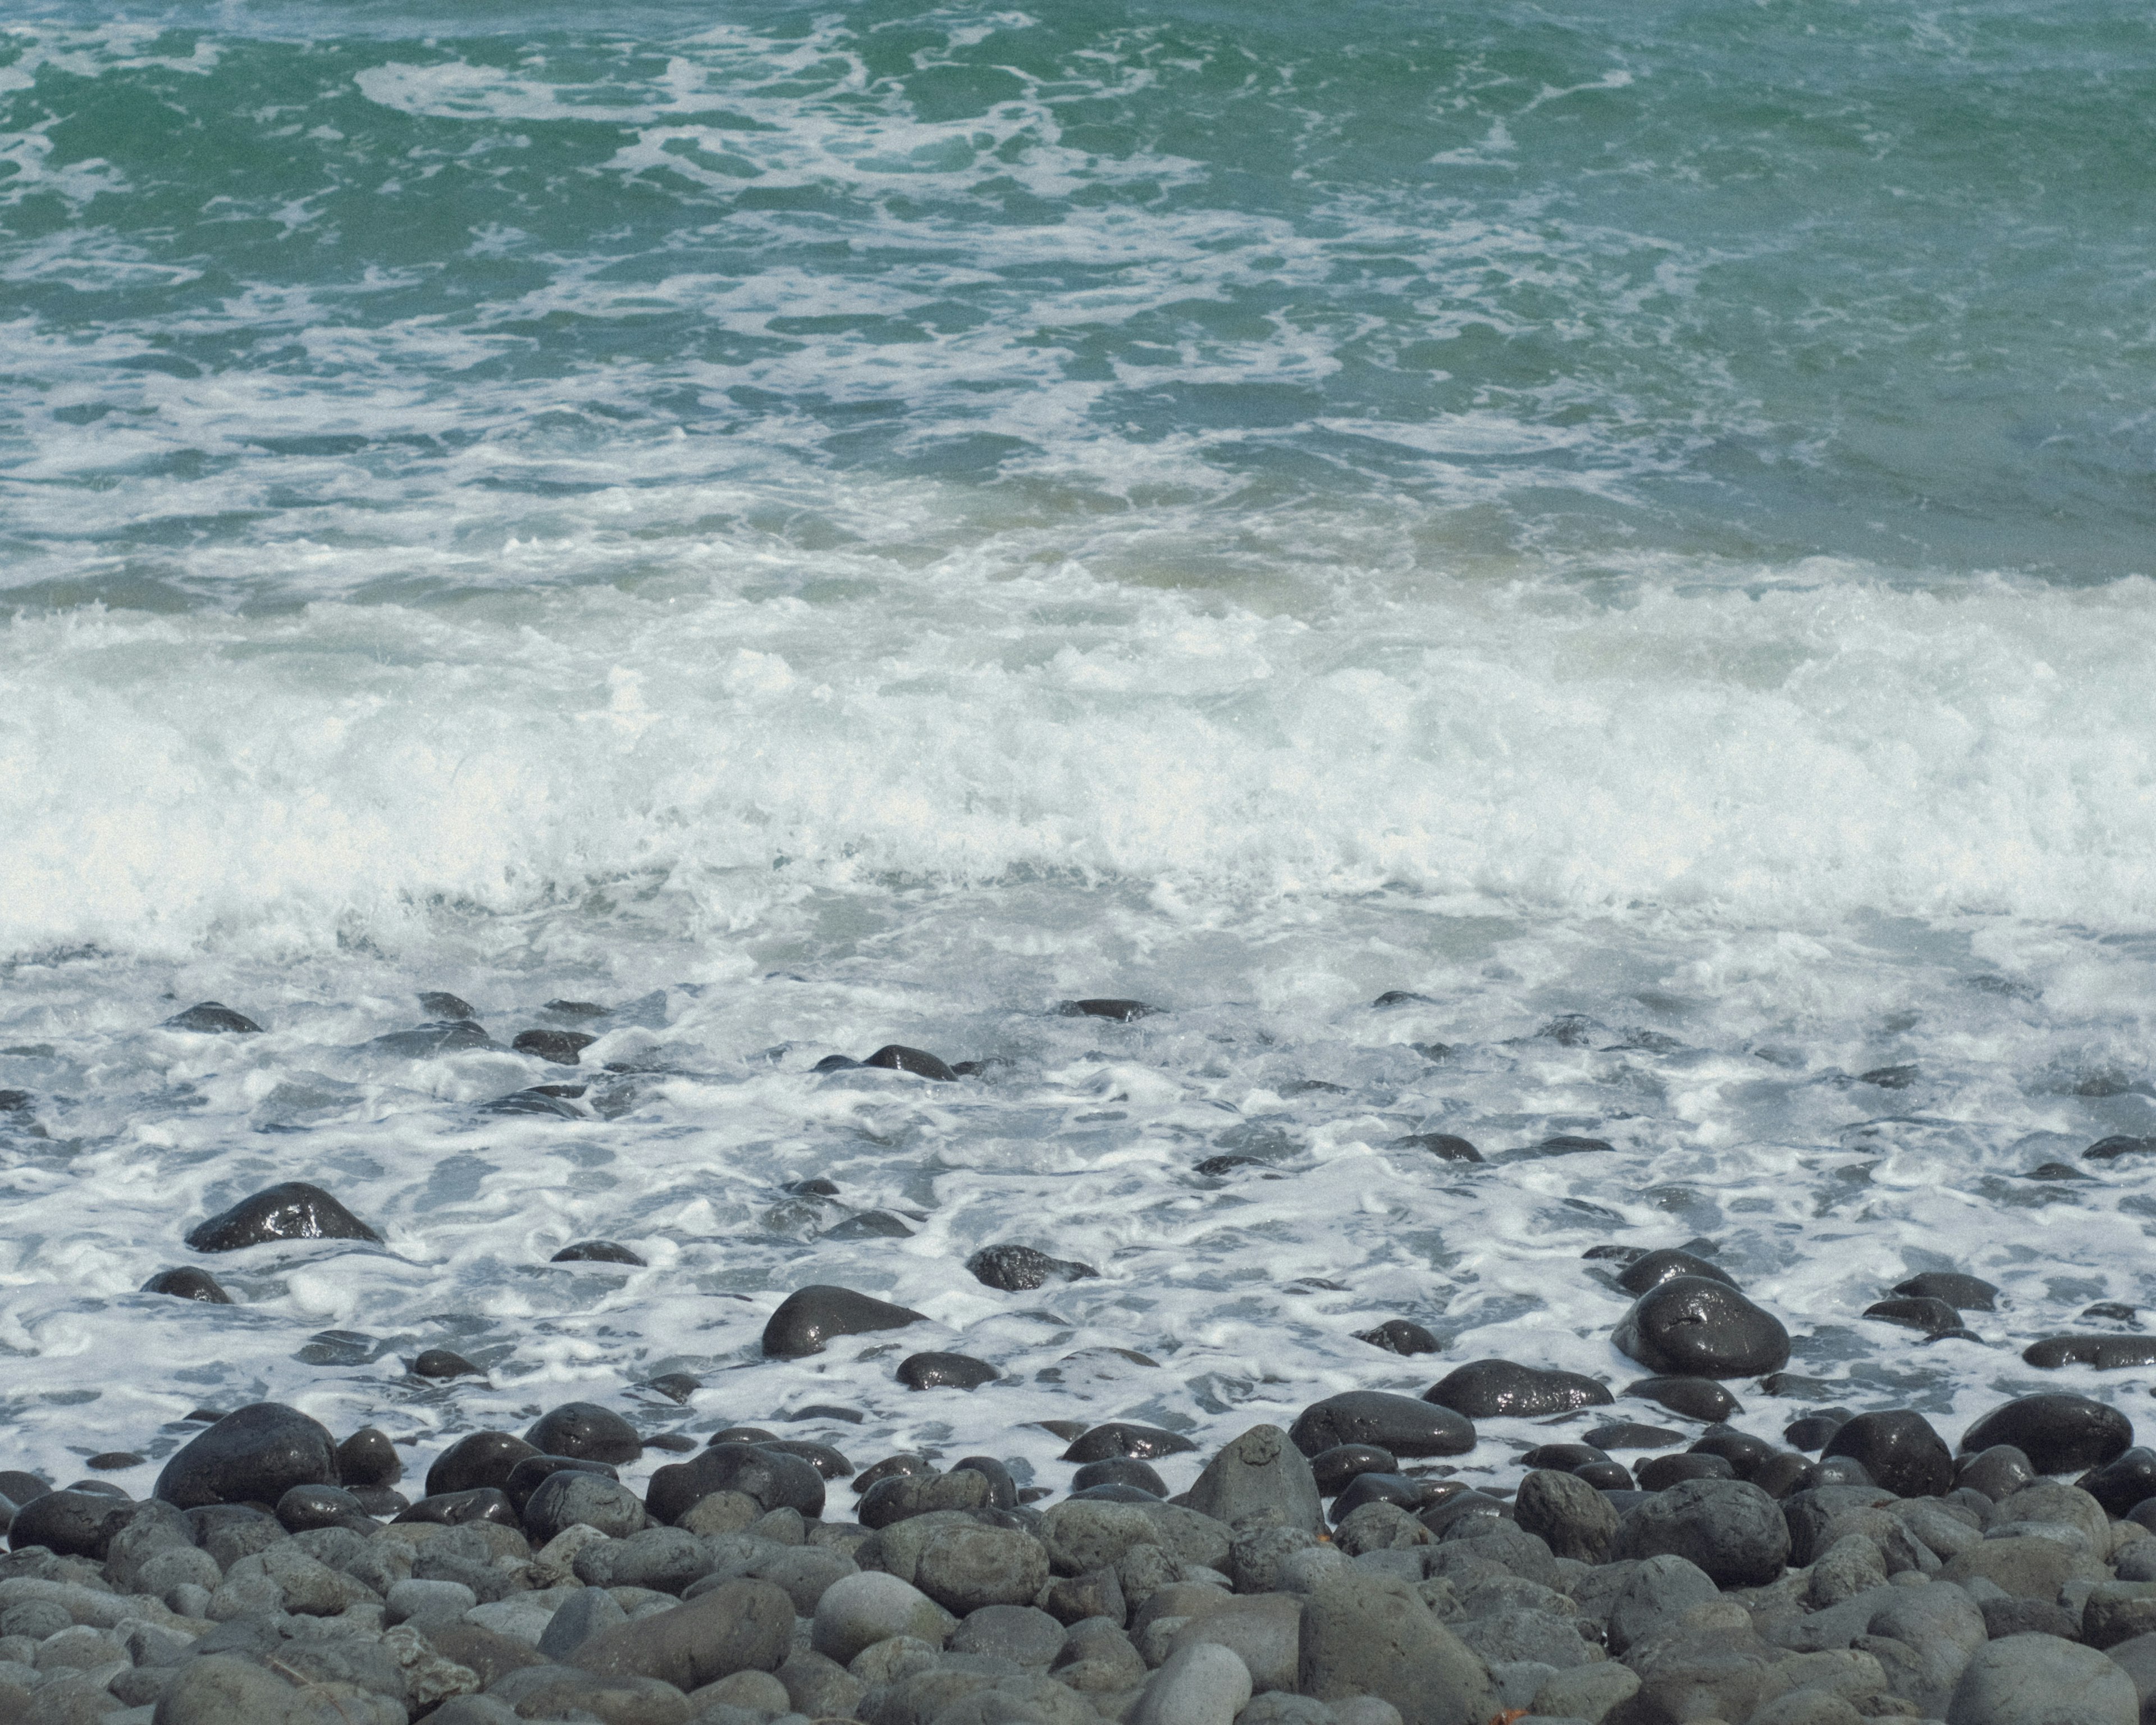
(1733, 1532)
(1693, 1327)
(2042, 1680)
(2058, 1432)
(1899, 1449)
(963, 1568)
(857, 1611)
(255, 1454)
(294, 1211)
(585, 1431)
(810, 1317)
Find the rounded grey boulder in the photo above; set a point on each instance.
(2041, 1680)
(1572, 1517)
(1733, 1531)
(963, 1568)
(859, 1610)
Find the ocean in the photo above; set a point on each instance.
(808, 528)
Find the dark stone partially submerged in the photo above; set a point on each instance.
(809, 1317)
(255, 1454)
(586, 1431)
(1446, 1146)
(1696, 1327)
(1702, 1397)
(1141, 1443)
(1016, 1268)
(897, 1057)
(187, 1283)
(478, 1459)
(2058, 1432)
(1402, 1425)
(772, 1477)
(1492, 1388)
(295, 1209)
(69, 1523)
(1657, 1267)
(558, 1048)
(596, 1251)
(1122, 1012)
(1899, 1449)
(214, 1018)
(1964, 1293)
(945, 1371)
(1400, 1335)
(2107, 1354)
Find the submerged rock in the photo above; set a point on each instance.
(586, 1431)
(1142, 1443)
(897, 1057)
(1399, 1335)
(1656, 1268)
(442, 1363)
(1122, 1012)
(2107, 1354)
(1702, 1397)
(809, 1318)
(596, 1251)
(253, 1454)
(446, 1036)
(1446, 1146)
(1964, 1293)
(559, 1048)
(945, 1371)
(1917, 1311)
(214, 1018)
(1696, 1327)
(187, 1283)
(1401, 1425)
(296, 1209)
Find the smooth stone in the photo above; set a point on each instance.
(1563, 1457)
(18, 1487)
(440, 1363)
(307, 1507)
(1568, 1514)
(1660, 1472)
(829, 1462)
(945, 1371)
(439, 1003)
(1811, 1432)
(1024, 1635)
(1899, 1449)
(580, 1617)
(859, 1610)
(2040, 1680)
(294, 1211)
(535, 1471)
(68, 1523)
(1204, 1683)
(479, 1459)
(1375, 1488)
(1003, 1484)
(964, 1567)
(1122, 1012)
(1120, 1471)
(1399, 1335)
(446, 1036)
(115, 1461)
(586, 1432)
(1566, 1144)
(557, 1048)
(1693, 1327)
(2126, 1480)
(1402, 1425)
(892, 1467)
(253, 1454)
(2118, 1144)
(1493, 1388)
(1701, 1398)
(1335, 1467)
(1667, 1265)
(897, 1057)
(457, 1509)
(1142, 1443)
(1446, 1147)
(2107, 1354)
(812, 1316)
(1370, 1635)
(1015, 1268)
(1259, 1477)
(869, 1224)
(1744, 1453)
(596, 1251)
(214, 1018)
(1934, 1317)
(1606, 1476)
(187, 1283)
(1630, 1434)
(562, 1500)
(1733, 1532)
(1964, 1293)
(2058, 1432)
(768, 1476)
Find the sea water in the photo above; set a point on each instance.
(813, 527)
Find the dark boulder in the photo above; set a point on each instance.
(2107, 1354)
(305, 1507)
(825, 1459)
(1402, 1425)
(1736, 1533)
(535, 1471)
(1120, 1471)
(1121, 1012)
(770, 1476)
(1630, 1435)
(1742, 1451)
(945, 1371)
(441, 1363)
(1333, 1468)
(596, 1251)
(897, 1057)
(1016, 1268)
(1916, 1312)
(557, 1048)
(1563, 1144)
(71, 1523)
(2124, 1483)
(1374, 1488)
(1658, 1473)
(586, 1432)
(187, 1283)
(477, 1460)
(1964, 1293)
(1142, 1443)
(454, 1509)
(368, 1458)
(571, 1495)
(1399, 1335)
(1702, 1397)
(812, 1316)
(255, 1454)
(1499, 1389)
(214, 1018)
(446, 1036)
(2059, 1433)
(1667, 1264)
(1899, 1450)
(1810, 1432)
(1446, 1147)
(294, 1211)
(2120, 1144)
(1698, 1327)
(442, 1004)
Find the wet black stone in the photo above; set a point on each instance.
(1397, 1335)
(103, 1488)
(1916, 1312)
(1696, 1327)
(558, 1048)
(770, 1476)
(1120, 1471)
(1656, 1268)
(1402, 997)
(446, 1036)
(1374, 1488)
(1630, 1434)
(897, 1057)
(1461, 1509)
(1566, 1144)
(1702, 1397)
(187, 1283)
(1889, 1077)
(1843, 1471)
(1215, 1166)
(1742, 1451)
(2116, 1312)
(1964, 1293)
(1336, 1466)
(478, 1460)
(454, 1509)
(676, 1387)
(1112, 1493)
(1785, 1474)
(380, 1501)
(1563, 1457)
(2107, 1354)
(115, 1461)
(441, 1362)
(306, 1507)
(577, 1009)
(830, 1463)
(1142, 1443)
(1494, 1389)
(213, 1018)
(438, 1005)
(2059, 1433)
(294, 1210)
(678, 1443)
(206, 1416)
(1606, 1476)
(18, 1487)
(869, 1224)
(596, 1251)
(1658, 1473)
(2123, 1482)
(527, 1477)
(1123, 1011)
(1797, 1387)
(824, 1410)
(837, 1063)
(811, 1316)
(1900, 1451)
(1444, 1146)
(69, 1523)
(1402, 1425)
(255, 1454)
(544, 1100)
(1016, 1268)
(368, 1458)
(586, 1431)
(1003, 1488)
(892, 1467)
(1812, 1432)
(819, 1186)
(2054, 1171)
(945, 1371)
(2119, 1144)
(1608, 1253)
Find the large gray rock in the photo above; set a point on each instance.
(1653, 1596)
(1260, 1478)
(1369, 1635)
(1264, 1630)
(1572, 1517)
(2040, 1680)
(2029, 1566)
(2137, 1658)
(744, 1625)
(1085, 1536)
(1689, 1673)
(1936, 1630)
(581, 1616)
(1203, 1684)
(219, 1689)
(1733, 1531)
(963, 1568)
(859, 1610)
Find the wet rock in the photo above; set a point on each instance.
(1630, 1434)
(1810, 1432)
(811, 1316)
(1734, 1532)
(1568, 1514)
(897, 1057)
(2057, 1432)
(441, 1362)
(69, 1523)
(767, 1475)
(1694, 1327)
(535, 1471)
(457, 1509)
(478, 1460)
(1490, 1388)
(1702, 1397)
(2036, 1680)
(869, 1224)
(1021, 1634)
(557, 1048)
(305, 1507)
(1397, 1335)
(1369, 1635)
(1446, 1147)
(1016, 1268)
(214, 1018)
(566, 1498)
(1121, 1012)
(294, 1211)
(1668, 1263)
(1898, 1450)
(1934, 1317)
(1565, 1144)
(2123, 1483)
(2120, 1144)
(1335, 1467)
(1142, 1443)
(1402, 1425)
(945, 1371)
(1964, 1293)
(1661, 1472)
(446, 1036)
(586, 1431)
(255, 1454)
(187, 1283)
(1260, 1477)
(1745, 1454)
(596, 1251)
(439, 1004)
(2107, 1354)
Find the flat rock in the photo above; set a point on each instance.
(1141, 1443)
(811, 1316)
(1490, 1388)
(294, 1211)
(2107, 1354)
(2057, 1432)
(1402, 1425)
(1698, 1327)
(253, 1454)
